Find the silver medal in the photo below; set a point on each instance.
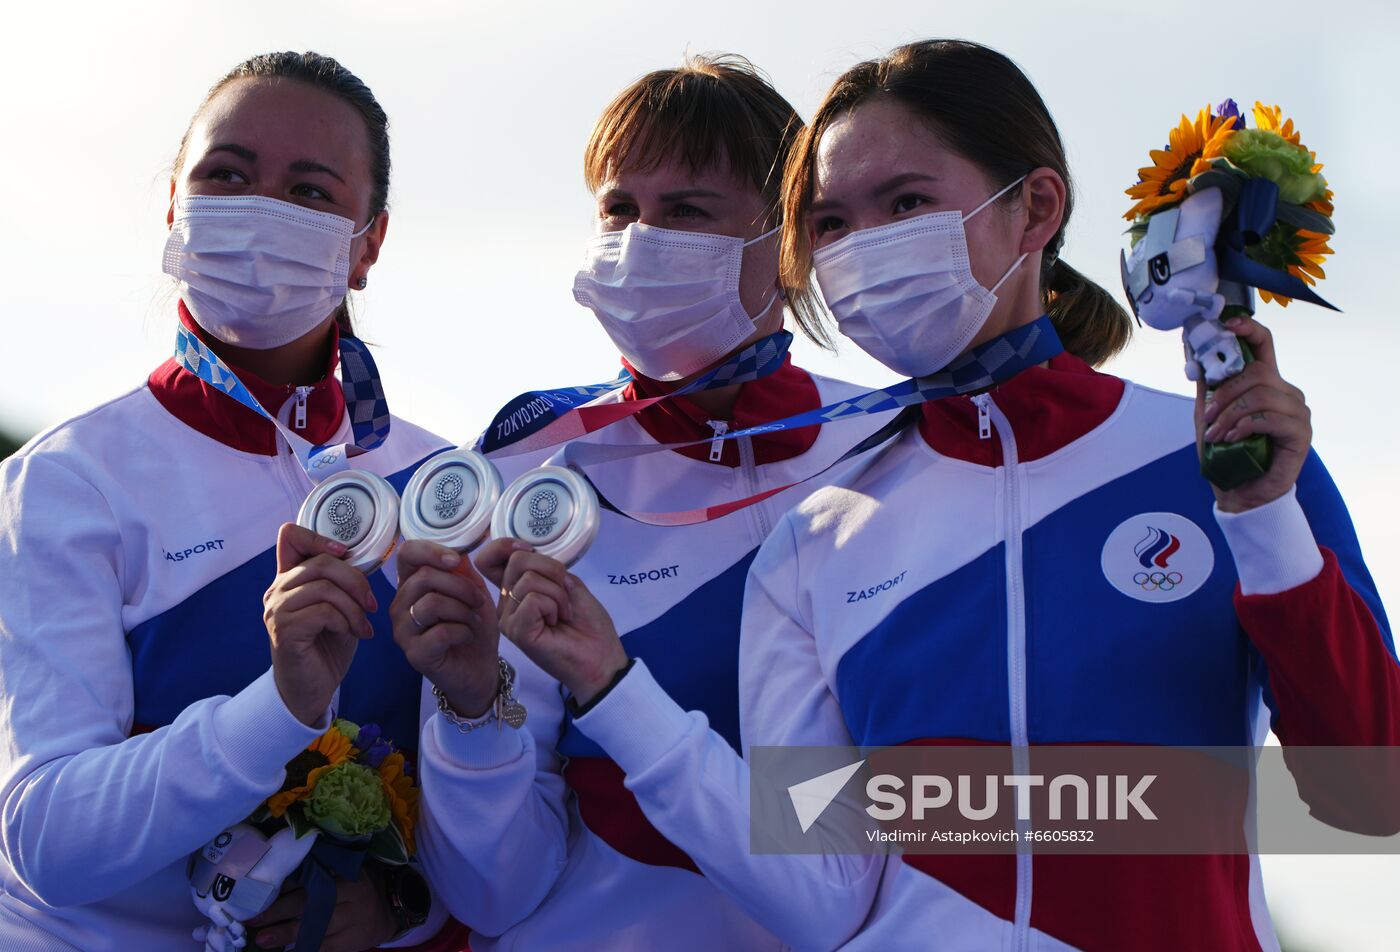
(553, 509)
(450, 498)
(356, 508)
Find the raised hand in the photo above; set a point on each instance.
(316, 611)
(445, 621)
(553, 617)
(1257, 400)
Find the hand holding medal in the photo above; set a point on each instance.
(1225, 209)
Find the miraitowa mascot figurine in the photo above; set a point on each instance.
(1222, 211)
(237, 875)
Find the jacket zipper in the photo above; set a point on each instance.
(720, 427)
(984, 420)
(299, 418)
(746, 463)
(1015, 654)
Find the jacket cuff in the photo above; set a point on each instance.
(485, 748)
(1272, 544)
(258, 734)
(636, 722)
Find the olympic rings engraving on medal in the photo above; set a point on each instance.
(342, 512)
(449, 495)
(543, 505)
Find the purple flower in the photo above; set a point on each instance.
(1229, 109)
(368, 736)
(375, 753)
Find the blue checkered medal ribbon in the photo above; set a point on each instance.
(538, 419)
(359, 380)
(982, 367)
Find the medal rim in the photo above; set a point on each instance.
(582, 529)
(475, 526)
(371, 551)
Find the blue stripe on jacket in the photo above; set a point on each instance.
(215, 643)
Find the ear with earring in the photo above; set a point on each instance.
(361, 283)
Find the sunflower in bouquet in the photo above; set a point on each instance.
(1226, 209)
(1217, 149)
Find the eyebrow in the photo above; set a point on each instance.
(306, 165)
(890, 185)
(884, 188)
(301, 165)
(248, 155)
(685, 193)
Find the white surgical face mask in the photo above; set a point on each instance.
(668, 299)
(905, 292)
(257, 272)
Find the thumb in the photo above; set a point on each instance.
(491, 559)
(296, 544)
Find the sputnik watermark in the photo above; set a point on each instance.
(932, 792)
(934, 797)
(1102, 796)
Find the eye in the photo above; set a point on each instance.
(621, 210)
(907, 203)
(306, 190)
(688, 211)
(827, 224)
(228, 176)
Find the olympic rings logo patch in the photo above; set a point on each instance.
(1157, 557)
(1152, 581)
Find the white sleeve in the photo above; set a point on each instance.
(85, 810)
(493, 818)
(695, 789)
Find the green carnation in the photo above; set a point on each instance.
(349, 801)
(1268, 155)
(349, 729)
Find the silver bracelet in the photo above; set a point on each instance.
(505, 708)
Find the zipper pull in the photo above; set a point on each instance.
(717, 445)
(984, 419)
(299, 418)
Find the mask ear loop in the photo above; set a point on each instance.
(372, 219)
(1017, 263)
(772, 231)
(1014, 266)
(994, 198)
(776, 292)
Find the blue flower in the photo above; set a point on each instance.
(369, 735)
(1229, 109)
(375, 753)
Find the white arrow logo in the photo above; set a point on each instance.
(810, 798)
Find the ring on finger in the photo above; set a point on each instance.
(511, 596)
(414, 618)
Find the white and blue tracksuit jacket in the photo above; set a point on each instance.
(140, 715)
(999, 590)
(531, 836)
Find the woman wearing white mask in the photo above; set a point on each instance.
(1019, 521)
(144, 710)
(531, 835)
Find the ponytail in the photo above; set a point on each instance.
(1091, 323)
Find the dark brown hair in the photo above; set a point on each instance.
(714, 111)
(987, 111)
(324, 73)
